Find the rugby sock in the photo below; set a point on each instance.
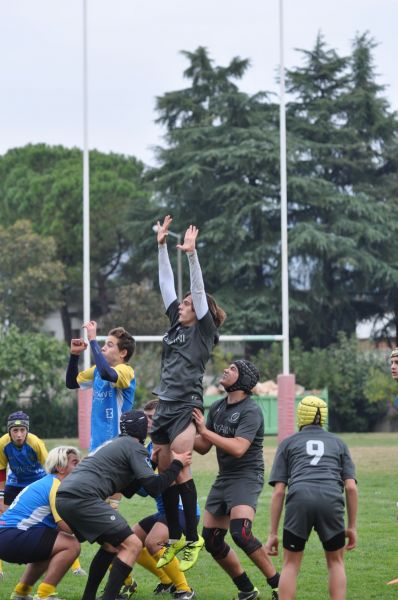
(148, 561)
(76, 565)
(22, 589)
(243, 583)
(170, 501)
(172, 569)
(273, 581)
(98, 568)
(128, 580)
(189, 498)
(45, 590)
(118, 574)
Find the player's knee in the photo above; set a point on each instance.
(215, 542)
(241, 533)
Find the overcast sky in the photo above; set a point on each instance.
(133, 56)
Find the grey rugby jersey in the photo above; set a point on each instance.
(112, 468)
(186, 351)
(243, 419)
(312, 456)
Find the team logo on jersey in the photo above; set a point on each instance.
(148, 462)
(234, 417)
(178, 339)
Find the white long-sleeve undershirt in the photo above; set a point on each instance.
(167, 285)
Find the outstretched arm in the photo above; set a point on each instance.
(197, 286)
(166, 277)
(106, 372)
(77, 346)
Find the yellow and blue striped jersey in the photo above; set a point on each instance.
(34, 506)
(25, 462)
(110, 400)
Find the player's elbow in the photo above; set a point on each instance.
(279, 491)
(350, 486)
(240, 448)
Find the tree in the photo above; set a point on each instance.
(32, 371)
(139, 308)
(220, 171)
(46, 183)
(376, 129)
(31, 278)
(339, 216)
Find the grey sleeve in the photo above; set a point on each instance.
(157, 484)
(140, 462)
(279, 471)
(348, 467)
(250, 423)
(199, 299)
(166, 277)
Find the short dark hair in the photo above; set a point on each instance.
(150, 405)
(125, 341)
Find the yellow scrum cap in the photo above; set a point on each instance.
(309, 408)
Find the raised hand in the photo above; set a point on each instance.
(91, 328)
(163, 230)
(77, 346)
(189, 239)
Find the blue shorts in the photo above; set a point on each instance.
(22, 547)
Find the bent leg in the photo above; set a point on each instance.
(122, 564)
(65, 550)
(242, 517)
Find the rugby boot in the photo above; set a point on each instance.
(190, 554)
(171, 550)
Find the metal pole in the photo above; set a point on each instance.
(86, 189)
(283, 183)
(179, 268)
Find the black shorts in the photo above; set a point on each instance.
(312, 507)
(225, 493)
(10, 493)
(22, 547)
(170, 419)
(148, 522)
(92, 519)
(293, 543)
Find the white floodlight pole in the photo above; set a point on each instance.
(179, 261)
(86, 189)
(283, 183)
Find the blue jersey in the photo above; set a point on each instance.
(110, 400)
(34, 506)
(25, 462)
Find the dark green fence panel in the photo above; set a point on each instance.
(269, 407)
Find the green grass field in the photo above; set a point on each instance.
(369, 566)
